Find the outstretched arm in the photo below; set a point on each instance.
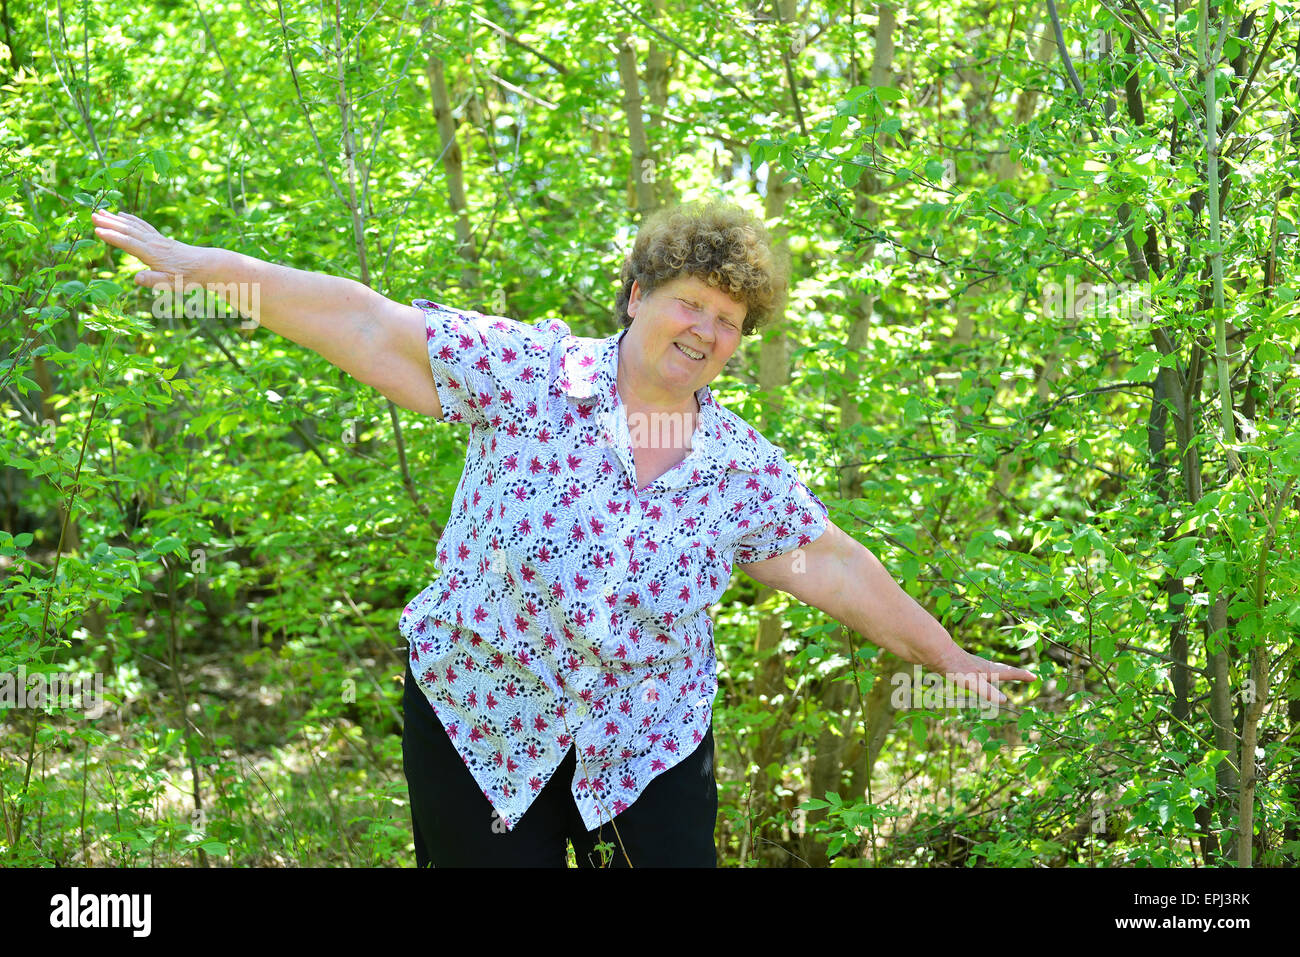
(373, 339)
(843, 578)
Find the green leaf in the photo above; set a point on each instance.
(104, 290)
(919, 731)
(1126, 670)
(162, 163)
(1212, 758)
(1145, 365)
(169, 545)
(836, 133)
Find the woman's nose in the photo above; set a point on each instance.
(701, 332)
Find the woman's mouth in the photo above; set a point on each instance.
(688, 353)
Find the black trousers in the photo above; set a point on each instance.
(670, 824)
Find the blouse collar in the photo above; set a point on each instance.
(589, 372)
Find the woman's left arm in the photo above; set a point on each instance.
(843, 578)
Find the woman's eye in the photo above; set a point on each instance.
(696, 306)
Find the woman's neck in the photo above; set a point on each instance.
(634, 401)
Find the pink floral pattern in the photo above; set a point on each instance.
(571, 608)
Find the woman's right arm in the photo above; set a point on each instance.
(375, 340)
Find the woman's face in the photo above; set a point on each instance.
(685, 311)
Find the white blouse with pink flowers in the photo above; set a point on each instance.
(571, 607)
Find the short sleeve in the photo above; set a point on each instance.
(796, 517)
(485, 368)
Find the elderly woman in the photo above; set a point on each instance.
(561, 669)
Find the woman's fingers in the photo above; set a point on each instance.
(134, 222)
(1000, 671)
(981, 685)
(113, 223)
(137, 238)
(130, 234)
(990, 691)
(110, 236)
(151, 277)
(124, 223)
(126, 243)
(984, 676)
(1012, 673)
(122, 226)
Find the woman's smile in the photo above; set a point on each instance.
(688, 319)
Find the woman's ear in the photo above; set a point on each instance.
(634, 299)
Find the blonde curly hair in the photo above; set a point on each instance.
(716, 242)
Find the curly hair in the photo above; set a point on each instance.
(716, 242)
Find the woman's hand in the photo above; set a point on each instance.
(979, 674)
(166, 258)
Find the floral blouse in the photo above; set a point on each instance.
(572, 606)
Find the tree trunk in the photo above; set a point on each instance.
(453, 165)
(644, 172)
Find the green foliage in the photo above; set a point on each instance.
(1002, 379)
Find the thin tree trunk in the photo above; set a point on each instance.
(644, 172)
(454, 167)
(656, 81)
